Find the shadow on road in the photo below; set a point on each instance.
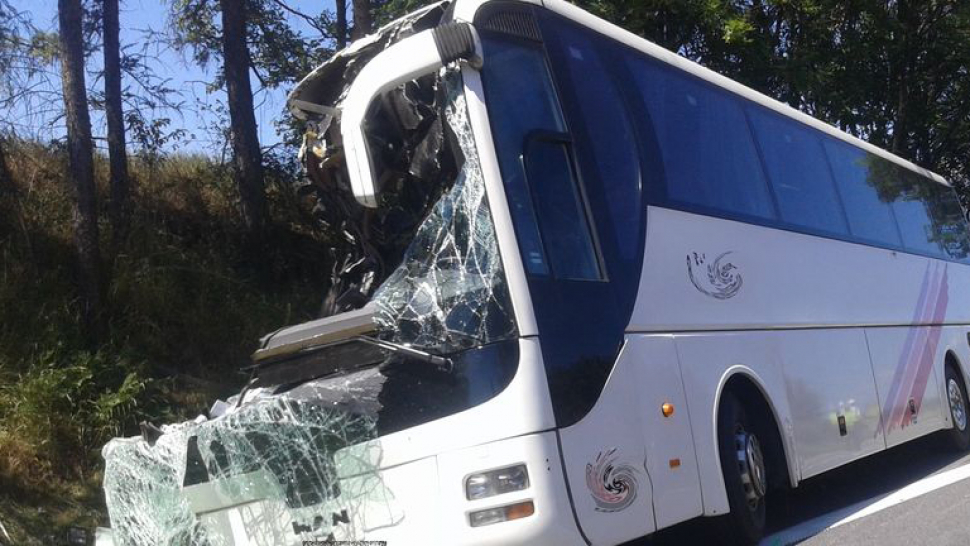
(874, 476)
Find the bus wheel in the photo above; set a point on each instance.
(956, 394)
(745, 474)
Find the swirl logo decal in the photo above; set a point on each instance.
(613, 486)
(716, 279)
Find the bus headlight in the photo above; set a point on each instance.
(496, 482)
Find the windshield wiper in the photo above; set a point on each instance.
(444, 364)
(328, 359)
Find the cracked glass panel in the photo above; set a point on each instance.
(296, 464)
(450, 292)
(265, 473)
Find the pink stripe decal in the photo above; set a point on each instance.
(929, 353)
(904, 357)
(900, 405)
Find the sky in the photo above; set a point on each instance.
(136, 18)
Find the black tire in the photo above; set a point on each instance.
(959, 435)
(745, 524)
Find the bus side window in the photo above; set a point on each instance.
(560, 206)
(948, 223)
(521, 99)
(912, 207)
(709, 156)
(605, 144)
(870, 218)
(799, 173)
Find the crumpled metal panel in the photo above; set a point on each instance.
(263, 473)
(328, 83)
(413, 161)
(450, 292)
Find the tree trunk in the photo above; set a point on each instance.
(6, 179)
(117, 156)
(246, 155)
(341, 30)
(362, 19)
(81, 163)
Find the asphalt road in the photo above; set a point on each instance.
(913, 495)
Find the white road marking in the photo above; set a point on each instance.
(865, 508)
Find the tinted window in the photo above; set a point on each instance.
(914, 223)
(817, 183)
(799, 173)
(870, 218)
(606, 132)
(709, 157)
(565, 227)
(908, 191)
(528, 104)
(930, 216)
(948, 221)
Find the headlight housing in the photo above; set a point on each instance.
(496, 482)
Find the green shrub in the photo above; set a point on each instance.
(62, 409)
(186, 302)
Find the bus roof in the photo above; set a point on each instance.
(465, 10)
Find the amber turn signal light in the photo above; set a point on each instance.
(519, 511)
(502, 513)
(667, 409)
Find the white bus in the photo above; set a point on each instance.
(650, 294)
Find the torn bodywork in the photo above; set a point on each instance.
(421, 328)
(412, 159)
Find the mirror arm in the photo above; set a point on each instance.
(413, 57)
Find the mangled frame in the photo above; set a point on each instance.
(299, 460)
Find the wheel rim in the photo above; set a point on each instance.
(751, 463)
(957, 406)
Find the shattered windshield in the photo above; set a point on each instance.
(450, 292)
(293, 463)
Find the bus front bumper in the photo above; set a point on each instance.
(427, 502)
(552, 522)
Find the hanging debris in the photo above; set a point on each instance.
(413, 160)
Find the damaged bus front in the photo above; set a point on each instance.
(499, 364)
(419, 412)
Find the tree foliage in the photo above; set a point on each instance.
(280, 54)
(25, 55)
(892, 72)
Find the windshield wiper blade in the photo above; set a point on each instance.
(328, 359)
(444, 364)
(345, 355)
